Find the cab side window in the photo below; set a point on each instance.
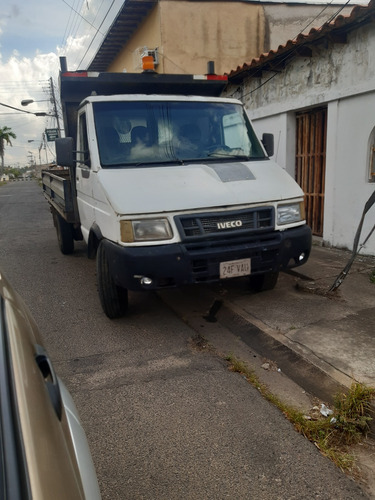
(83, 144)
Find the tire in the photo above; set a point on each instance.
(263, 282)
(65, 234)
(113, 298)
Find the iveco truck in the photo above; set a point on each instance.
(168, 185)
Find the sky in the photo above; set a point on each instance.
(33, 34)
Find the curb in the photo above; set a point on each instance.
(300, 370)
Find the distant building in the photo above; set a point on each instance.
(45, 166)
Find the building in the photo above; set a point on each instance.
(316, 94)
(183, 35)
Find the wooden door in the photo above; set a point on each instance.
(311, 162)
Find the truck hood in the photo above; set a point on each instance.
(195, 186)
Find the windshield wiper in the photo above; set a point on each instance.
(159, 162)
(228, 155)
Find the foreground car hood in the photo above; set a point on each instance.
(195, 186)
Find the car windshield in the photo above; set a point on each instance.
(157, 132)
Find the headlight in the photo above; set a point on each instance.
(145, 230)
(287, 214)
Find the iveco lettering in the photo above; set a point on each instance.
(227, 225)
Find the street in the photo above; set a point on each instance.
(164, 420)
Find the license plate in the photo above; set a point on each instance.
(235, 268)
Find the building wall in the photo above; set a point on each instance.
(341, 76)
(189, 34)
(347, 187)
(225, 32)
(286, 21)
(148, 34)
(334, 71)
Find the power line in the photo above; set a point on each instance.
(316, 17)
(97, 31)
(73, 29)
(80, 15)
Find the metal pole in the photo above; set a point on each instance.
(45, 147)
(55, 106)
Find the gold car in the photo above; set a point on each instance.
(44, 452)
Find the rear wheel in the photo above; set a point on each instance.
(65, 234)
(263, 282)
(113, 298)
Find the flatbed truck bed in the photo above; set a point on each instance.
(58, 190)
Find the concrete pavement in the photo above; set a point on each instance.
(334, 332)
(302, 341)
(322, 341)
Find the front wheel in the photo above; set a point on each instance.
(113, 298)
(263, 282)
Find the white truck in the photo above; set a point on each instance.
(168, 185)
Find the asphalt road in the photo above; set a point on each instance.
(164, 420)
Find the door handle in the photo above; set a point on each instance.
(50, 379)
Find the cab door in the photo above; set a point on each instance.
(84, 177)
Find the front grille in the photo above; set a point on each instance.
(205, 257)
(252, 220)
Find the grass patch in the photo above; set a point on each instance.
(333, 435)
(372, 277)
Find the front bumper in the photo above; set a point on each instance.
(180, 264)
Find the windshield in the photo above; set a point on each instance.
(152, 132)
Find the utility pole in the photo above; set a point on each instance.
(55, 105)
(45, 147)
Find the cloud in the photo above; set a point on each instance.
(32, 37)
(14, 10)
(26, 78)
(29, 78)
(76, 49)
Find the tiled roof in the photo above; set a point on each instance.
(335, 30)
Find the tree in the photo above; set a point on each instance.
(6, 134)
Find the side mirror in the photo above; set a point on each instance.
(268, 143)
(64, 152)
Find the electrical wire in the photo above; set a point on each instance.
(72, 35)
(80, 15)
(316, 17)
(66, 32)
(97, 31)
(170, 60)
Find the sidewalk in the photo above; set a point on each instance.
(333, 331)
(321, 341)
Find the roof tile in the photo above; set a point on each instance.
(358, 14)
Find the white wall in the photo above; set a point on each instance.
(283, 128)
(350, 123)
(341, 76)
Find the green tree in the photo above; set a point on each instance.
(6, 134)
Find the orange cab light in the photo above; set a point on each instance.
(148, 63)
